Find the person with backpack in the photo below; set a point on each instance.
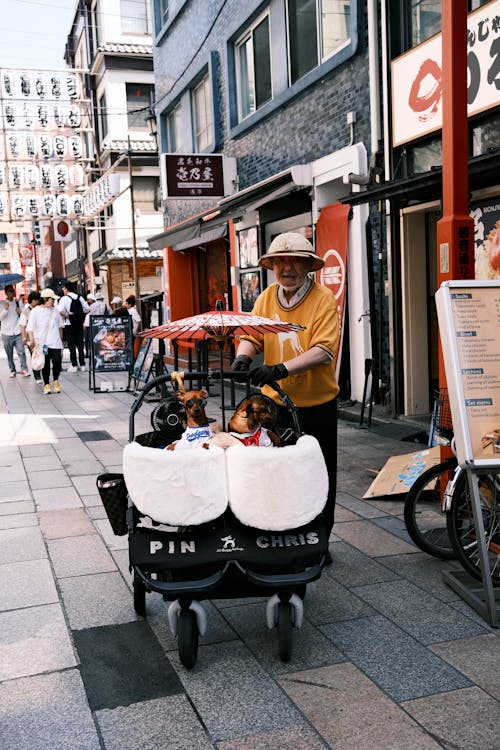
(73, 310)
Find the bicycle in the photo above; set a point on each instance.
(424, 509)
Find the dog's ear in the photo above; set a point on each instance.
(180, 395)
(204, 393)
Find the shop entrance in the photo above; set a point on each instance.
(419, 320)
(212, 281)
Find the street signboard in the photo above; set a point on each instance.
(194, 175)
(111, 344)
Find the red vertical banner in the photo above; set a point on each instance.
(331, 245)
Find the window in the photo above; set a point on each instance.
(425, 19)
(174, 131)
(162, 12)
(139, 99)
(134, 16)
(316, 29)
(103, 117)
(253, 65)
(95, 16)
(202, 115)
(146, 193)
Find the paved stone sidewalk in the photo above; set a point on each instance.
(388, 656)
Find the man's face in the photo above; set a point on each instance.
(291, 272)
(9, 293)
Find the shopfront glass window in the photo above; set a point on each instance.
(145, 193)
(139, 98)
(316, 30)
(486, 136)
(253, 62)
(426, 157)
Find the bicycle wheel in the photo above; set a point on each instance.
(461, 527)
(424, 518)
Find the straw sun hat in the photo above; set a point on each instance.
(294, 245)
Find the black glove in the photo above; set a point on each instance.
(267, 373)
(241, 364)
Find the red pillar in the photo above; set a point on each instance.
(455, 230)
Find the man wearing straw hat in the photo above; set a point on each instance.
(303, 362)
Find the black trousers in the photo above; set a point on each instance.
(74, 339)
(54, 357)
(321, 422)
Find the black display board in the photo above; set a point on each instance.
(111, 347)
(142, 365)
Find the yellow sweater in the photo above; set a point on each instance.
(318, 311)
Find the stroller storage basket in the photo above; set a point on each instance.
(113, 492)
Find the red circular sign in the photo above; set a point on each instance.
(63, 228)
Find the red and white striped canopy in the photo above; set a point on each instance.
(218, 324)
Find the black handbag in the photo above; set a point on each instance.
(113, 492)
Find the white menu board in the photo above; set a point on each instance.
(469, 325)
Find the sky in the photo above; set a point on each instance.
(33, 33)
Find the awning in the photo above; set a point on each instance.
(189, 229)
(265, 191)
(209, 236)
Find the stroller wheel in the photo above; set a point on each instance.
(139, 596)
(285, 625)
(187, 636)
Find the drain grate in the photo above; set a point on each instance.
(87, 437)
(406, 433)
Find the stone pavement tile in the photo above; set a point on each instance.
(84, 467)
(218, 630)
(42, 463)
(44, 480)
(329, 601)
(310, 648)
(391, 507)
(21, 544)
(351, 567)
(112, 458)
(14, 473)
(293, 738)
(27, 584)
(40, 449)
(370, 539)
(96, 512)
(351, 712)
(460, 720)
(114, 468)
(21, 506)
(94, 600)
(45, 712)
(49, 499)
(86, 484)
(75, 451)
(100, 447)
(92, 501)
(397, 663)
(418, 613)
(56, 524)
(229, 708)
(471, 613)
(342, 514)
(148, 724)
(9, 457)
(112, 541)
(395, 525)
(80, 556)
(478, 658)
(34, 640)
(357, 506)
(424, 571)
(14, 491)
(14, 521)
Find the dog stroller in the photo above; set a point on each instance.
(213, 524)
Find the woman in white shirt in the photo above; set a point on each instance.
(45, 328)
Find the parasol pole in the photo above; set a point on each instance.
(220, 341)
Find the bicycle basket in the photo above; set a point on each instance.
(441, 417)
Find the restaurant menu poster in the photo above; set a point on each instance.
(143, 361)
(111, 338)
(469, 324)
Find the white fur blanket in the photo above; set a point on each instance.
(179, 488)
(277, 488)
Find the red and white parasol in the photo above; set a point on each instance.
(218, 324)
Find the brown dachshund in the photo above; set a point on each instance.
(253, 421)
(198, 430)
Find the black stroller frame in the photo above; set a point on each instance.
(221, 559)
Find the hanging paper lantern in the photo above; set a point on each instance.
(61, 176)
(18, 206)
(43, 115)
(9, 83)
(33, 205)
(46, 176)
(74, 116)
(55, 85)
(15, 176)
(76, 175)
(62, 205)
(30, 146)
(45, 146)
(41, 86)
(32, 177)
(14, 145)
(48, 204)
(10, 116)
(3, 206)
(29, 116)
(25, 83)
(2, 174)
(60, 146)
(59, 116)
(75, 146)
(72, 86)
(77, 205)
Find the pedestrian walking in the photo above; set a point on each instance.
(119, 308)
(304, 362)
(10, 310)
(45, 328)
(73, 310)
(130, 302)
(33, 301)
